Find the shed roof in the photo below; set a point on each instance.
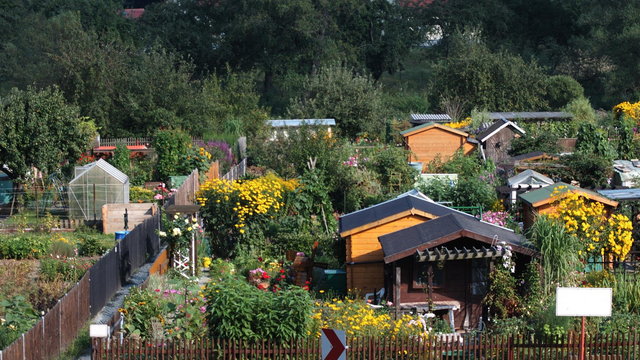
(423, 118)
(530, 177)
(496, 127)
(300, 122)
(621, 194)
(424, 127)
(545, 195)
(444, 229)
(412, 202)
(530, 115)
(105, 166)
(627, 170)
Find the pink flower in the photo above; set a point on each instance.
(158, 197)
(203, 309)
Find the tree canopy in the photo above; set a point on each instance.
(38, 129)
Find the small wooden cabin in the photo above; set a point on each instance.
(541, 201)
(444, 265)
(495, 141)
(361, 229)
(431, 140)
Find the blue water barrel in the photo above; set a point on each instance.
(121, 234)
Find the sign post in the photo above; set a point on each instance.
(583, 302)
(333, 344)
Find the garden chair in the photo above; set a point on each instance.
(374, 298)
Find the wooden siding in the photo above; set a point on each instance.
(497, 147)
(429, 144)
(365, 247)
(365, 278)
(113, 215)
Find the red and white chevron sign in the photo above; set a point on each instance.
(334, 344)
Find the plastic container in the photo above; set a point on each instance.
(121, 235)
(335, 280)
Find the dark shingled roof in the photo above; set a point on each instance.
(388, 208)
(488, 132)
(403, 243)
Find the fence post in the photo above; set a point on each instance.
(510, 347)
(24, 356)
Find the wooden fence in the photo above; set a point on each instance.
(132, 141)
(450, 347)
(56, 329)
(236, 171)
(186, 194)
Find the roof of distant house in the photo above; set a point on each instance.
(422, 118)
(427, 126)
(496, 127)
(444, 229)
(530, 115)
(301, 122)
(529, 177)
(132, 13)
(545, 195)
(412, 202)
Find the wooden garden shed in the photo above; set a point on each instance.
(495, 141)
(444, 265)
(361, 229)
(431, 140)
(541, 201)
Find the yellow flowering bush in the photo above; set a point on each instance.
(460, 124)
(631, 110)
(231, 208)
(589, 221)
(357, 318)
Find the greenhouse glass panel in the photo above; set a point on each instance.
(96, 184)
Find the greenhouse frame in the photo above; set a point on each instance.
(94, 185)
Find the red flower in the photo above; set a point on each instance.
(281, 271)
(305, 287)
(260, 259)
(282, 276)
(265, 275)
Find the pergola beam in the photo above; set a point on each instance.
(444, 253)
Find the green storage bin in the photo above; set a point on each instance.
(334, 280)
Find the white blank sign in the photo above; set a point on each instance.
(583, 301)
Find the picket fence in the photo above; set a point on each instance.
(468, 346)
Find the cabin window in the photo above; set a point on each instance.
(479, 276)
(420, 274)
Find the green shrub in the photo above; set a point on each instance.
(24, 246)
(63, 249)
(139, 194)
(169, 145)
(238, 310)
(120, 159)
(18, 316)
(70, 270)
(91, 246)
(561, 90)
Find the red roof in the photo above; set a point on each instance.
(132, 13)
(112, 148)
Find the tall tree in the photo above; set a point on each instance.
(38, 129)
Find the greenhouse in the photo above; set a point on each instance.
(94, 185)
